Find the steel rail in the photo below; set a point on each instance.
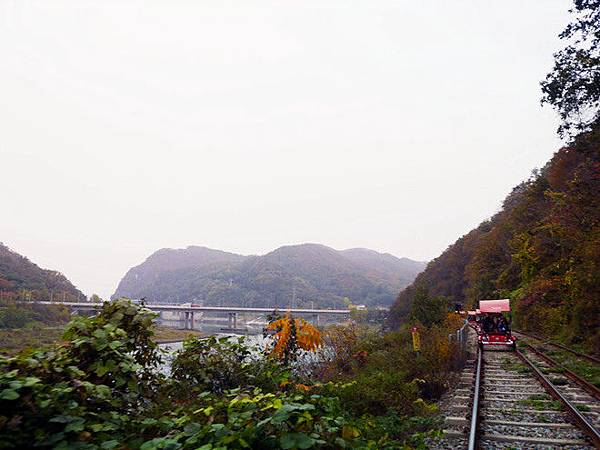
(474, 430)
(563, 347)
(582, 422)
(581, 382)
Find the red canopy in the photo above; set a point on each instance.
(494, 306)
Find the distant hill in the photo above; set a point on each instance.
(542, 250)
(292, 275)
(18, 274)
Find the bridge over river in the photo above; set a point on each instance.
(188, 317)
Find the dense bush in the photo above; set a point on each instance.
(384, 374)
(104, 389)
(80, 394)
(244, 418)
(218, 364)
(13, 315)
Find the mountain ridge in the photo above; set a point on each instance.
(302, 273)
(23, 279)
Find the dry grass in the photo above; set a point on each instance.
(162, 334)
(13, 340)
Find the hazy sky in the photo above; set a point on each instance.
(128, 126)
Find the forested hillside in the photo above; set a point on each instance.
(542, 250)
(289, 276)
(20, 278)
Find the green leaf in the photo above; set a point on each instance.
(296, 440)
(103, 390)
(100, 334)
(161, 443)
(30, 381)
(77, 425)
(16, 384)
(115, 344)
(101, 370)
(263, 422)
(9, 394)
(62, 419)
(109, 444)
(149, 421)
(340, 442)
(192, 428)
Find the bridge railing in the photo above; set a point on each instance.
(230, 309)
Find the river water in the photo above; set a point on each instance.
(257, 343)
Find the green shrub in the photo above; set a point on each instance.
(218, 364)
(77, 395)
(244, 418)
(385, 374)
(103, 389)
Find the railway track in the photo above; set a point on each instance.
(519, 400)
(580, 355)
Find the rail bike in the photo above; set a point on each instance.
(492, 321)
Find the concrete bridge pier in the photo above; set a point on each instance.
(188, 320)
(317, 319)
(232, 320)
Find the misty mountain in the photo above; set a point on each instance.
(295, 275)
(19, 277)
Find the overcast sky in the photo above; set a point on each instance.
(128, 126)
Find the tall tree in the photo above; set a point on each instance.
(573, 85)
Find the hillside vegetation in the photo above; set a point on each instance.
(22, 279)
(542, 250)
(289, 276)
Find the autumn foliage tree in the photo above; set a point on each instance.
(291, 334)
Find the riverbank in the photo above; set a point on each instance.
(169, 335)
(13, 340)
